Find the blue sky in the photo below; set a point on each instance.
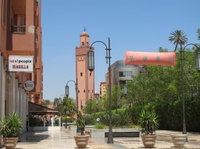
(135, 25)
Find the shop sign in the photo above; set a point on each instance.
(20, 63)
(29, 85)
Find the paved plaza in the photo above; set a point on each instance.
(63, 139)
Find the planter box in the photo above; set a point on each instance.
(149, 140)
(10, 143)
(179, 140)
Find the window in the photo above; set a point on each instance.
(120, 65)
(19, 24)
(121, 74)
(81, 74)
(82, 43)
(125, 74)
(84, 91)
(21, 19)
(37, 3)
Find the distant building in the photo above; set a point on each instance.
(102, 89)
(84, 78)
(120, 73)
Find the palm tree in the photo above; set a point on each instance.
(178, 38)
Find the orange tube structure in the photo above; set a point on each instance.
(150, 58)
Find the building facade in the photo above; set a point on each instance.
(21, 56)
(102, 89)
(84, 78)
(120, 73)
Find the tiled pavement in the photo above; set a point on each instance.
(56, 139)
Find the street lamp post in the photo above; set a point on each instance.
(91, 68)
(67, 94)
(182, 77)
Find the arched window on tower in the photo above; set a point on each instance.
(81, 74)
(82, 43)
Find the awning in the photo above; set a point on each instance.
(37, 109)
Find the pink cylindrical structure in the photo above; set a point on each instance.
(150, 58)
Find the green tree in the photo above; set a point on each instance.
(116, 94)
(56, 102)
(163, 83)
(162, 50)
(178, 37)
(46, 102)
(91, 106)
(88, 106)
(68, 107)
(101, 104)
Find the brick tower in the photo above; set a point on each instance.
(84, 78)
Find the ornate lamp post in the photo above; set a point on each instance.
(91, 68)
(76, 89)
(67, 94)
(182, 77)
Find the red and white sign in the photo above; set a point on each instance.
(20, 63)
(150, 58)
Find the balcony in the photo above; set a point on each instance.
(22, 41)
(18, 29)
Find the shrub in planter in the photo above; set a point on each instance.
(148, 121)
(10, 128)
(81, 140)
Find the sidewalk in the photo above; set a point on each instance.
(56, 139)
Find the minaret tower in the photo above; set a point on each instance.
(84, 78)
